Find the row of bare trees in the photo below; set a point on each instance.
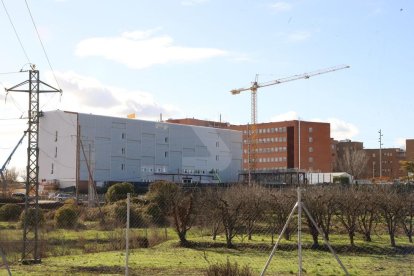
(245, 211)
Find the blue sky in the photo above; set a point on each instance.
(182, 57)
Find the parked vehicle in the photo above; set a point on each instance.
(19, 195)
(63, 197)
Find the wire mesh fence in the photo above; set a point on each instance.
(176, 230)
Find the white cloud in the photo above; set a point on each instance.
(281, 7)
(92, 96)
(193, 2)
(299, 36)
(142, 49)
(341, 130)
(400, 143)
(288, 116)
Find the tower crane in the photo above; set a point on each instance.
(253, 89)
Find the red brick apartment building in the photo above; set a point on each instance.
(282, 145)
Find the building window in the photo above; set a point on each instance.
(123, 135)
(166, 154)
(310, 139)
(56, 136)
(310, 149)
(310, 130)
(217, 158)
(217, 144)
(123, 151)
(166, 139)
(310, 159)
(55, 152)
(122, 167)
(373, 155)
(51, 169)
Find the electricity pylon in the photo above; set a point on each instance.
(30, 251)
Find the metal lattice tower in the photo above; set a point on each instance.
(30, 252)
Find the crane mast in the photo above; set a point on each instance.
(252, 132)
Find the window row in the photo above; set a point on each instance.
(267, 159)
(267, 140)
(267, 130)
(267, 150)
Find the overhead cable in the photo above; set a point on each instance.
(41, 43)
(15, 31)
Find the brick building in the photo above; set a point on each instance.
(282, 145)
(409, 145)
(340, 147)
(390, 159)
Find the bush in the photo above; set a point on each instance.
(31, 218)
(228, 269)
(92, 214)
(10, 212)
(119, 191)
(119, 214)
(66, 217)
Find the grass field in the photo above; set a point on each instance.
(167, 258)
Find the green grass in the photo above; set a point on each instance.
(169, 259)
(67, 254)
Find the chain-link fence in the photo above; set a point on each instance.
(176, 230)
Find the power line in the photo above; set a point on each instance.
(9, 73)
(10, 119)
(15, 31)
(41, 43)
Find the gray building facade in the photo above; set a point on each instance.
(131, 150)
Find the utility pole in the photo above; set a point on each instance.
(30, 252)
(380, 153)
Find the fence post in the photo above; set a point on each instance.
(299, 231)
(127, 236)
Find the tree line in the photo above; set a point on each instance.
(242, 210)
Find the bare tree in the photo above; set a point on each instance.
(348, 209)
(11, 175)
(321, 203)
(211, 214)
(407, 220)
(391, 208)
(279, 204)
(177, 203)
(231, 206)
(368, 211)
(254, 206)
(353, 162)
(311, 202)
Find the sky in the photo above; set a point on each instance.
(181, 58)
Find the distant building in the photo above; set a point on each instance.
(340, 147)
(344, 145)
(390, 159)
(121, 149)
(282, 145)
(409, 145)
